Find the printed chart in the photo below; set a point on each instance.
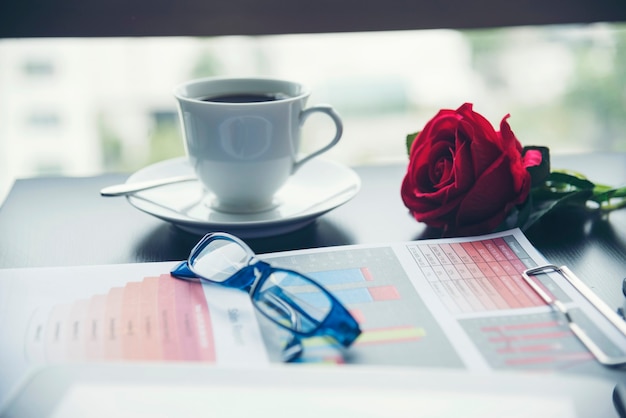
(477, 276)
(480, 283)
(397, 328)
(484, 307)
(157, 319)
(120, 313)
(457, 303)
(532, 341)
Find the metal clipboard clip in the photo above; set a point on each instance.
(613, 318)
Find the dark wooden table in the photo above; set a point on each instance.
(64, 221)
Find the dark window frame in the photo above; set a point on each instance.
(107, 18)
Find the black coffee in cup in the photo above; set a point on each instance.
(246, 98)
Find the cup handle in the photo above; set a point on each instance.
(338, 131)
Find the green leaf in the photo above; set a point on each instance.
(602, 192)
(543, 206)
(410, 138)
(568, 180)
(609, 198)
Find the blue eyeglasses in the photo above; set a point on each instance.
(291, 300)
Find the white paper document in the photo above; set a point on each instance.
(460, 304)
(120, 313)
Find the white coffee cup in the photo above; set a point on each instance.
(242, 149)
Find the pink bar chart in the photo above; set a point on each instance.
(156, 319)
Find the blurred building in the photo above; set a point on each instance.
(65, 103)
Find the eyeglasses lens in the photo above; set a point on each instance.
(219, 259)
(292, 301)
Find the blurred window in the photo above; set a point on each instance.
(112, 104)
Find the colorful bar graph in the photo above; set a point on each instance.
(157, 319)
(353, 295)
(342, 276)
(375, 336)
(391, 335)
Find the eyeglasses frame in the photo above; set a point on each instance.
(338, 323)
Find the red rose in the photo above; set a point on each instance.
(463, 176)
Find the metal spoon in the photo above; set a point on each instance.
(130, 188)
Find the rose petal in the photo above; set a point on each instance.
(532, 158)
(441, 163)
(492, 197)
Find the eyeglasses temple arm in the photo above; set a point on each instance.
(341, 326)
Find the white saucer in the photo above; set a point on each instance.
(316, 188)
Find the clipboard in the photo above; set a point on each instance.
(611, 316)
